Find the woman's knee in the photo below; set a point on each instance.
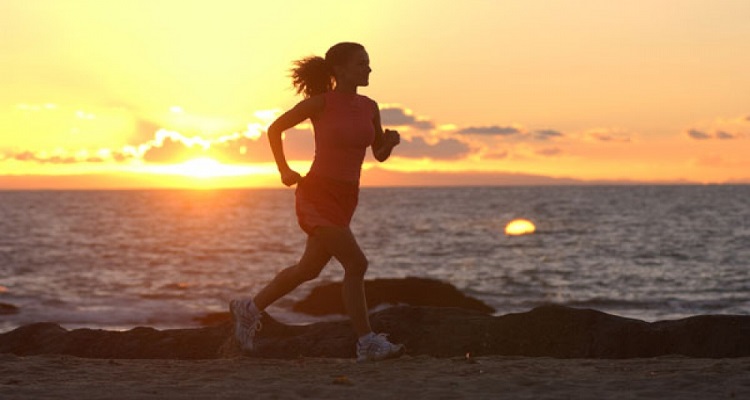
(356, 268)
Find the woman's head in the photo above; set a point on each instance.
(343, 61)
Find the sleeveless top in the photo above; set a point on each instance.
(343, 131)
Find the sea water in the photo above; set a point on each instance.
(162, 258)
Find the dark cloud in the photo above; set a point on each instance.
(392, 116)
(172, 151)
(240, 150)
(24, 156)
(545, 134)
(553, 151)
(444, 149)
(508, 131)
(490, 130)
(144, 131)
(606, 137)
(298, 145)
(498, 155)
(698, 135)
(724, 135)
(53, 159)
(121, 157)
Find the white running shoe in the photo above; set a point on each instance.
(377, 347)
(246, 323)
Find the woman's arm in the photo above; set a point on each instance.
(384, 142)
(305, 109)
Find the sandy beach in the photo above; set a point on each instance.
(422, 377)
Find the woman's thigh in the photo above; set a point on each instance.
(340, 243)
(315, 257)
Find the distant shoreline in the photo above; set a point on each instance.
(4, 187)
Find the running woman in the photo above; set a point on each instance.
(345, 125)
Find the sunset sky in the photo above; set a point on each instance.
(163, 93)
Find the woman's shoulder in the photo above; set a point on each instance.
(318, 99)
(369, 101)
(365, 98)
(312, 105)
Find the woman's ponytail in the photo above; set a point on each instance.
(314, 75)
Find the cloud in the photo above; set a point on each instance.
(443, 149)
(546, 134)
(43, 158)
(698, 135)
(725, 135)
(145, 130)
(549, 152)
(511, 131)
(496, 155)
(58, 158)
(490, 130)
(247, 147)
(168, 147)
(156, 145)
(607, 136)
(701, 135)
(171, 150)
(395, 116)
(241, 150)
(299, 144)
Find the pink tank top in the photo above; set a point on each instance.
(343, 132)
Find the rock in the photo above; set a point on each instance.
(326, 299)
(547, 331)
(141, 342)
(214, 318)
(7, 309)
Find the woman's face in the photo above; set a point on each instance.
(356, 71)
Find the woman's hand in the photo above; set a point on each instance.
(385, 143)
(391, 138)
(289, 177)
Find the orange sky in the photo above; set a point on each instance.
(108, 94)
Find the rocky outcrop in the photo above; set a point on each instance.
(548, 331)
(326, 299)
(7, 309)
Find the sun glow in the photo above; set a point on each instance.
(206, 168)
(519, 227)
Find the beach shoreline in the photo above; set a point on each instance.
(419, 377)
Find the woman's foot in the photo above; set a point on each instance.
(376, 347)
(246, 322)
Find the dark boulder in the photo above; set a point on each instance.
(7, 309)
(326, 299)
(50, 338)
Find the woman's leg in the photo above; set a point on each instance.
(313, 260)
(341, 244)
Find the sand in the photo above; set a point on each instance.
(422, 377)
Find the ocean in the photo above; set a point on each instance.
(162, 258)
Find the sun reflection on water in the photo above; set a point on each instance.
(519, 227)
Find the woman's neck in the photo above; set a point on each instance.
(344, 88)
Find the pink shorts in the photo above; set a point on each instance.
(322, 201)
